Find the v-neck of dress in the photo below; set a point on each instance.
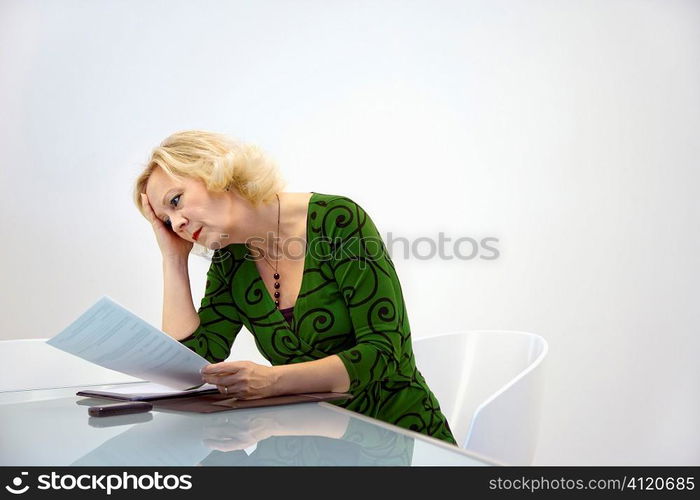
(254, 268)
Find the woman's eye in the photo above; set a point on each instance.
(168, 224)
(175, 201)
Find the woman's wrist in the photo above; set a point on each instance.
(279, 388)
(321, 375)
(175, 260)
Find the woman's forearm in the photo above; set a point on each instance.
(322, 375)
(180, 318)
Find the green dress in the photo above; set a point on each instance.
(350, 304)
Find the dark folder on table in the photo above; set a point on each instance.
(213, 401)
(136, 392)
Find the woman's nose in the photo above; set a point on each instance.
(178, 222)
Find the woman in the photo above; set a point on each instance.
(306, 273)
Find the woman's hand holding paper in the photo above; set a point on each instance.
(242, 379)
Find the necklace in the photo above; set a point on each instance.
(276, 275)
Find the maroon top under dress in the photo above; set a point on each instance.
(288, 314)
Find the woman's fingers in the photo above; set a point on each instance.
(223, 368)
(170, 243)
(231, 390)
(220, 373)
(232, 385)
(150, 215)
(223, 379)
(237, 390)
(241, 379)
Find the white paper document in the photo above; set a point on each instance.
(142, 391)
(150, 388)
(109, 335)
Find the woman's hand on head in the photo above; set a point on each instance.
(170, 244)
(242, 379)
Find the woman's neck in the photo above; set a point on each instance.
(292, 225)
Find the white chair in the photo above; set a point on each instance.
(33, 364)
(489, 385)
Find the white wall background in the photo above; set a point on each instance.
(567, 129)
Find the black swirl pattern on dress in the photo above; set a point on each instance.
(370, 282)
(316, 274)
(319, 319)
(255, 293)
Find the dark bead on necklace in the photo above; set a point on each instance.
(276, 276)
(277, 304)
(277, 285)
(277, 295)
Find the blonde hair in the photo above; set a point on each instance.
(219, 161)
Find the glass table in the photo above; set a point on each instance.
(52, 427)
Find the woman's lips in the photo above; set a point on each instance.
(195, 236)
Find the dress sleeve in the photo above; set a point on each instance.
(371, 290)
(219, 321)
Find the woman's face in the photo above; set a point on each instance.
(193, 213)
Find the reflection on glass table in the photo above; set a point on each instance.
(53, 428)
